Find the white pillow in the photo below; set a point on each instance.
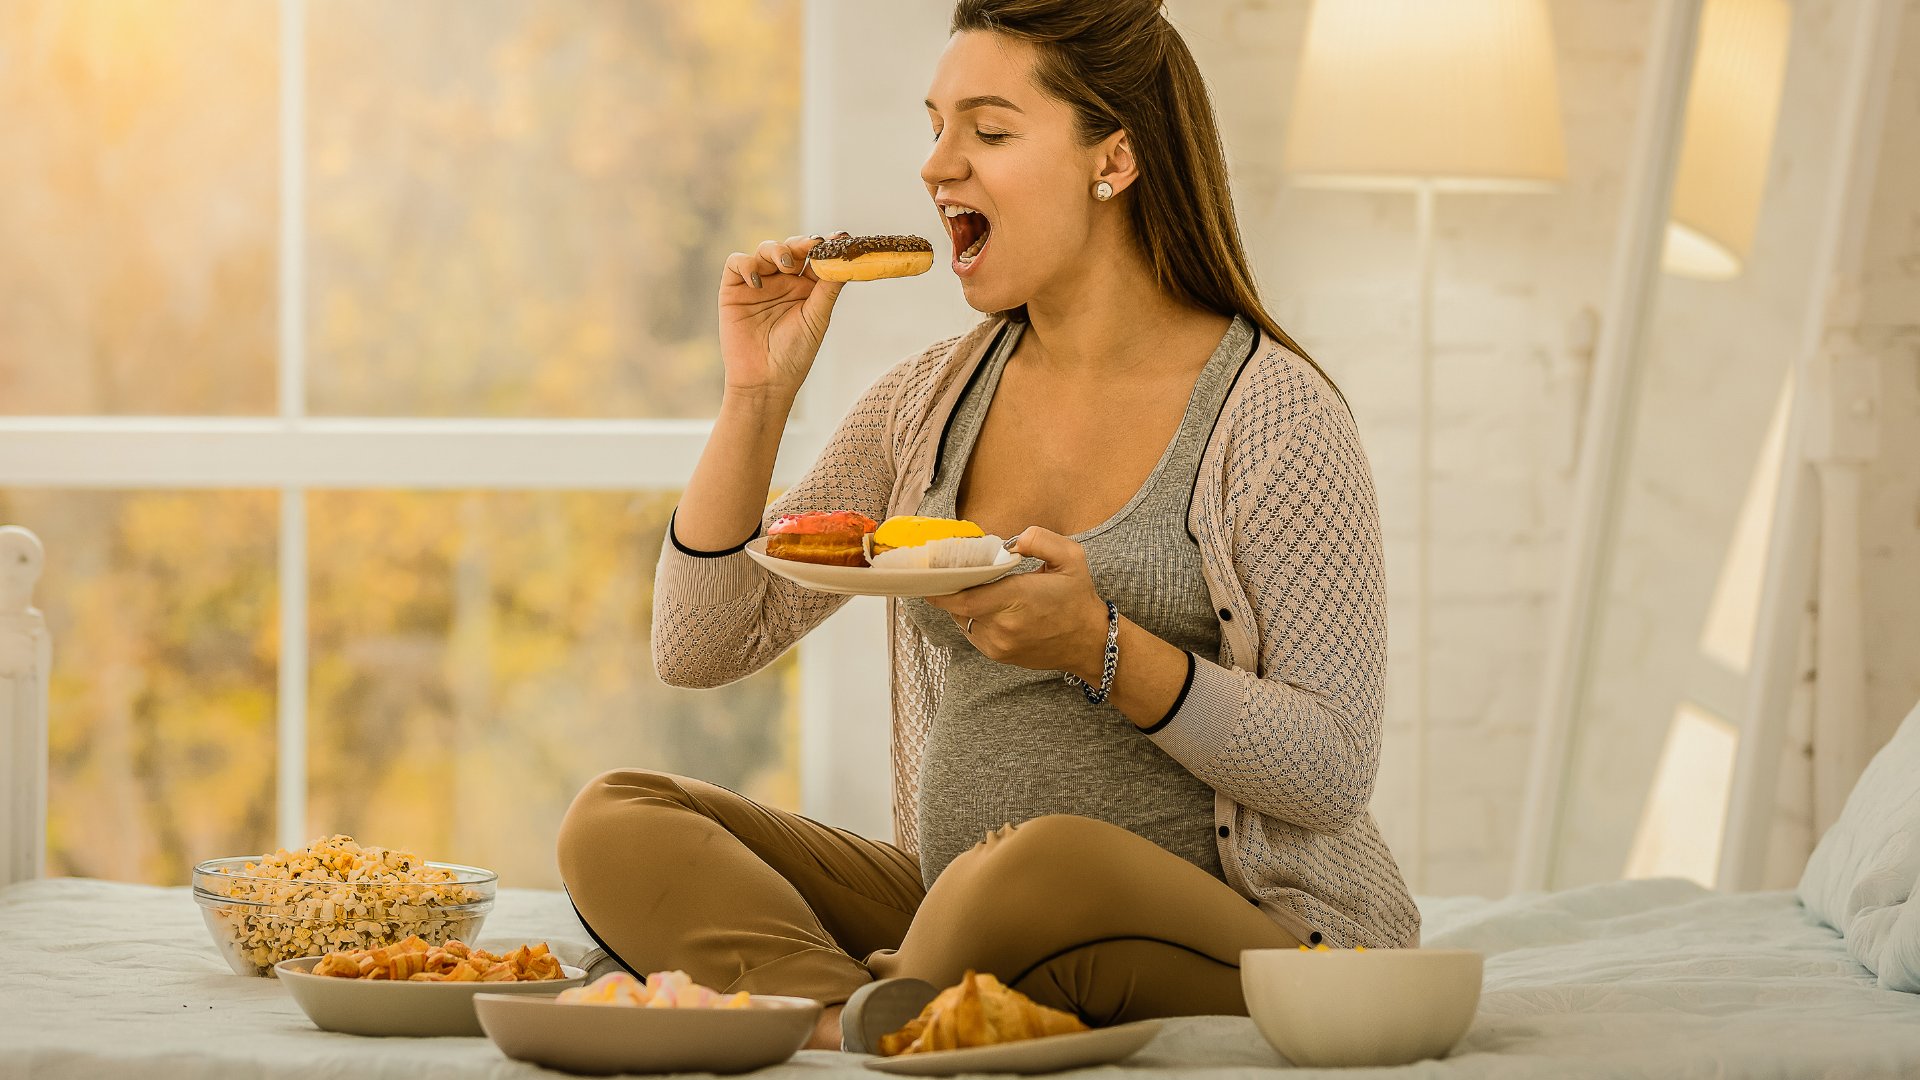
(1864, 877)
(1891, 936)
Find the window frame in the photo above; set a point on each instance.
(293, 453)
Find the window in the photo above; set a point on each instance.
(352, 355)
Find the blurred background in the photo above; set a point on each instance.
(352, 354)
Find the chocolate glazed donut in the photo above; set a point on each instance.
(866, 258)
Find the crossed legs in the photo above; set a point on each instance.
(670, 872)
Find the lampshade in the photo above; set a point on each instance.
(1395, 91)
(1738, 69)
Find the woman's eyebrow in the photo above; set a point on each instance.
(980, 102)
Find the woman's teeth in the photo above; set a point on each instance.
(973, 249)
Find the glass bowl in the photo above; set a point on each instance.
(258, 921)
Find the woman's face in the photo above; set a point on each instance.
(1007, 151)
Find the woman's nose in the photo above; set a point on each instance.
(942, 166)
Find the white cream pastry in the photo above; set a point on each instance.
(662, 990)
(922, 543)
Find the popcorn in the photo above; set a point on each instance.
(662, 990)
(335, 895)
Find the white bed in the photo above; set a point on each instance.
(1635, 979)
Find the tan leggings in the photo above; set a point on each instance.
(669, 873)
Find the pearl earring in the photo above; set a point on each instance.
(1103, 191)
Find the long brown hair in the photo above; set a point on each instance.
(1120, 65)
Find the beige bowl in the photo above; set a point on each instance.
(380, 1007)
(1378, 1007)
(604, 1039)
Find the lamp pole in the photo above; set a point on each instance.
(1423, 203)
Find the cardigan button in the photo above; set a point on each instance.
(1223, 831)
(1225, 615)
(1315, 938)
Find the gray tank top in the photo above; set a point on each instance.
(1008, 744)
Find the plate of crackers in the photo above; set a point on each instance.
(984, 1026)
(415, 988)
(847, 552)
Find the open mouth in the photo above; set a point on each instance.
(969, 230)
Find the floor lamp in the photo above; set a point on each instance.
(1423, 97)
(1733, 106)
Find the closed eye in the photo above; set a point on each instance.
(989, 137)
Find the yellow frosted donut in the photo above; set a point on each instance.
(907, 531)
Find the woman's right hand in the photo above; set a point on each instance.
(773, 316)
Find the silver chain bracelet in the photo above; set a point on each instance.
(1112, 661)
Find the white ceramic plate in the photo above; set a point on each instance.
(381, 1007)
(869, 581)
(605, 1039)
(1101, 1046)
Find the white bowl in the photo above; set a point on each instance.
(602, 1039)
(1378, 1007)
(383, 1007)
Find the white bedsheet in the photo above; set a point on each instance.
(1637, 979)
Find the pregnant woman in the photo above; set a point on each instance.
(1183, 482)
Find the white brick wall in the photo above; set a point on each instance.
(1890, 326)
(1718, 355)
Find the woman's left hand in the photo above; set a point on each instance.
(1049, 620)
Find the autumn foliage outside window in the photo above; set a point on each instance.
(512, 209)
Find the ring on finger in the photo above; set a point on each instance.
(969, 630)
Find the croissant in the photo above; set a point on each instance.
(980, 1011)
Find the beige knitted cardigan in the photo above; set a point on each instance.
(1285, 726)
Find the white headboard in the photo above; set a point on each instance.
(26, 663)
